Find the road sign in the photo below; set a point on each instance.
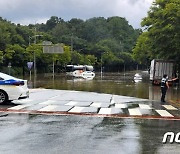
(48, 47)
(45, 43)
(29, 65)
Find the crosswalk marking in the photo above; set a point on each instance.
(170, 107)
(18, 107)
(47, 102)
(49, 108)
(23, 101)
(164, 113)
(135, 112)
(144, 106)
(71, 103)
(77, 109)
(99, 104)
(105, 111)
(35, 107)
(122, 106)
(109, 111)
(101, 108)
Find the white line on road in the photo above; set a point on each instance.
(49, 108)
(135, 112)
(164, 113)
(144, 106)
(19, 107)
(170, 107)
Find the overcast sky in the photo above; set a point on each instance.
(39, 11)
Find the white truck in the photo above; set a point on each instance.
(160, 67)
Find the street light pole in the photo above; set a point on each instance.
(34, 57)
(30, 40)
(71, 42)
(34, 54)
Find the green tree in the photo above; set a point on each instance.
(95, 29)
(64, 58)
(118, 27)
(110, 44)
(108, 58)
(1, 56)
(35, 50)
(162, 32)
(142, 51)
(59, 31)
(4, 35)
(76, 27)
(52, 22)
(90, 60)
(77, 58)
(90, 40)
(15, 54)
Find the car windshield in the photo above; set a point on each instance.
(7, 77)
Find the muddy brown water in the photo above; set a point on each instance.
(110, 83)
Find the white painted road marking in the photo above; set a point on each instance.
(48, 108)
(22, 101)
(71, 103)
(78, 109)
(105, 111)
(170, 107)
(109, 111)
(164, 113)
(135, 112)
(18, 107)
(122, 106)
(47, 102)
(144, 106)
(99, 104)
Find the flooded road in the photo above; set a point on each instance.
(24, 133)
(110, 83)
(78, 134)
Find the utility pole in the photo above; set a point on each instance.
(34, 57)
(72, 42)
(34, 54)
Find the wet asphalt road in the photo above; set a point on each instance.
(27, 133)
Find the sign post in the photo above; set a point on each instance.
(29, 65)
(9, 67)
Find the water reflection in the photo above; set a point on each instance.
(132, 135)
(152, 132)
(111, 83)
(83, 134)
(113, 133)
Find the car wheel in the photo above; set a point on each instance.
(3, 97)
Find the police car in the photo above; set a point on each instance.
(12, 88)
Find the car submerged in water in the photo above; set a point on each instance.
(12, 88)
(80, 71)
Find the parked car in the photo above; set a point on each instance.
(12, 88)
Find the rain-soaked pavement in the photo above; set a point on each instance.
(61, 121)
(27, 133)
(49, 101)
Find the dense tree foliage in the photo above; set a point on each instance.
(111, 43)
(96, 41)
(162, 33)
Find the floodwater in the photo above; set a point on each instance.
(110, 83)
(31, 133)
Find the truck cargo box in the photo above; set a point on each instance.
(160, 67)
